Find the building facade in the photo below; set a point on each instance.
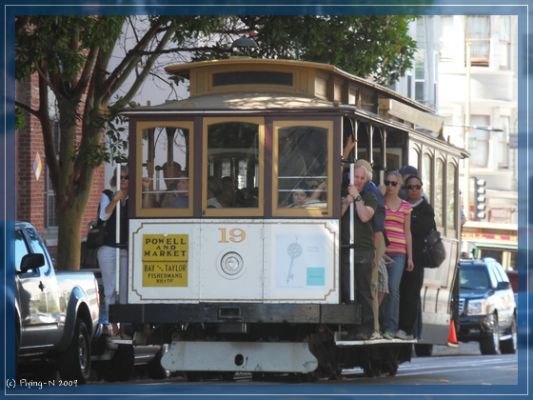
(466, 69)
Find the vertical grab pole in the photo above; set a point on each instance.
(383, 157)
(117, 237)
(352, 215)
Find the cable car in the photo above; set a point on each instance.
(236, 241)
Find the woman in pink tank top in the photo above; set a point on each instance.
(399, 251)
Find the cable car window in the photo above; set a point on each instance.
(252, 78)
(451, 219)
(233, 165)
(414, 156)
(439, 190)
(302, 167)
(427, 169)
(165, 153)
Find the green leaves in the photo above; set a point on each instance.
(367, 46)
(63, 49)
(20, 119)
(59, 45)
(117, 145)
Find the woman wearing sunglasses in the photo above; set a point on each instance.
(422, 221)
(398, 232)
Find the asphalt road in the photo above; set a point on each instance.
(460, 372)
(463, 365)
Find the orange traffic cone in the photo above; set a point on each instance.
(452, 337)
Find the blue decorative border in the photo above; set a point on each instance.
(443, 7)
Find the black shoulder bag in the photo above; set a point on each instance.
(434, 252)
(96, 234)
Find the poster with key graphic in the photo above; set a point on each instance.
(300, 261)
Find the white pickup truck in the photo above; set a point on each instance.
(56, 311)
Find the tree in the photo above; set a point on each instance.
(377, 47)
(72, 57)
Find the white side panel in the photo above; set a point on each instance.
(301, 261)
(239, 357)
(163, 261)
(193, 260)
(231, 260)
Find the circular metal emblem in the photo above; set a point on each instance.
(231, 264)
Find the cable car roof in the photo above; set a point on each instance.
(199, 72)
(252, 85)
(238, 101)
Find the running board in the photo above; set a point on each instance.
(239, 357)
(342, 342)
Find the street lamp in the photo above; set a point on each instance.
(244, 46)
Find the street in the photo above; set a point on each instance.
(458, 371)
(454, 366)
(448, 366)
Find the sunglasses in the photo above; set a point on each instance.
(413, 187)
(390, 183)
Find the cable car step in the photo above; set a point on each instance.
(341, 340)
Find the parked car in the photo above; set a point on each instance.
(513, 278)
(487, 308)
(56, 311)
(120, 358)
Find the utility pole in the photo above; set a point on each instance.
(466, 132)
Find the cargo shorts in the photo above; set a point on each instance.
(383, 277)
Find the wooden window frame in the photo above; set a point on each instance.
(141, 126)
(301, 212)
(237, 211)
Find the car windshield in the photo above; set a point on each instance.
(474, 278)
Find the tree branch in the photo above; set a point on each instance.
(46, 78)
(144, 73)
(217, 49)
(130, 59)
(85, 75)
(27, 108)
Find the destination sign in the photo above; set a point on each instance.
(165, 260)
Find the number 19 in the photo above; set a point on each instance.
(234, 235)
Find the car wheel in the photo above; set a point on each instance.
(423, 350)
(509, 346)
(155, 369)
(120, 367)
(391, 367)
(75, 362)
(490, 344)
(372, 368)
